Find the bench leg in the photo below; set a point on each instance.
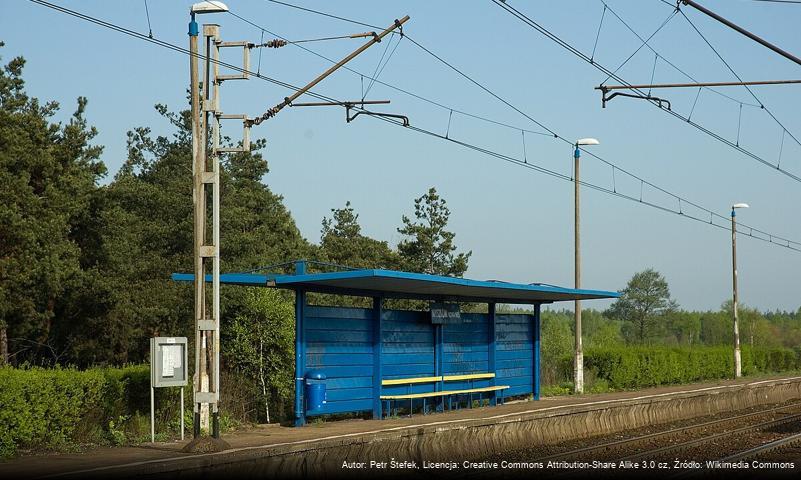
(494, 398)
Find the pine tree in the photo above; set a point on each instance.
(429, 247)
(342, 242)
(49, 174)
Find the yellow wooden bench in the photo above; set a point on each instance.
(410, 381)
(440, 393)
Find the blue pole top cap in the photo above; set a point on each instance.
(315, 375)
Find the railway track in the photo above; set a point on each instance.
(685, 438)
(652, 457)
(760, 453)
(602, 450)
(700, 442)
(772, 447)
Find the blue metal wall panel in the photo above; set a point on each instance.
(466, 348)
(350, 348)
(340, 343)
(407, 348)
(345, 406)
(341, 346)
(515, 353)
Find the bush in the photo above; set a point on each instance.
(41, 408)
(633, 367)
(52, 408)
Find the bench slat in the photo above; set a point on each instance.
(471, 376)
(407, 381)
(442, 393)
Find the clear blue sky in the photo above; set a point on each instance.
(517, 222)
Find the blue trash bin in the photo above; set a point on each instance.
(315, 391)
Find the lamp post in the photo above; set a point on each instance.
(206, 324)
(578, 366)
(737, 359)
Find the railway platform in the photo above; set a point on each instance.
(440, 439)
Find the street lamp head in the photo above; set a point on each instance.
(740, 205)
(584, 142)
(209, 6)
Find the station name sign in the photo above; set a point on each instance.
(443, 313)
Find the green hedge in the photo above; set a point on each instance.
(43, 407)
(54, 407)
(632, 367)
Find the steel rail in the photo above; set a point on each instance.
(666, 433)
(691, 443)
(766, 448)
(710, 438)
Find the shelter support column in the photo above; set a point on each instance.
(439, 346)
(536, 352)
(492, 349)
(300, 356)
(377, 374)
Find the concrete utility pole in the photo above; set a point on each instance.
(198, 164)
(206, 180)
(737, 359)
(578, 364)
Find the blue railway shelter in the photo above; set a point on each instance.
(377, 359)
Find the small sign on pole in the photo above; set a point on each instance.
(168, 368)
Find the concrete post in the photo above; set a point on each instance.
(737, 359)
(578, 370)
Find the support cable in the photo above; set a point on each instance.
(653, 72)
(548, 34)
(643, 44)
(729, 67)
(668, 62)
(380, 68)
(753, 232)
(394, 87)
(550, 131)
(598, 35)
(147, 14)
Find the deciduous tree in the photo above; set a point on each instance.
(645, 300)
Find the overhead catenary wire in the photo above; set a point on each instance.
(753, 232)
(733, 144)
(643, 44)
(487, 90)
(666, 60)
(380, 82)
(729, 67)
(745, 84)
(658, 103)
